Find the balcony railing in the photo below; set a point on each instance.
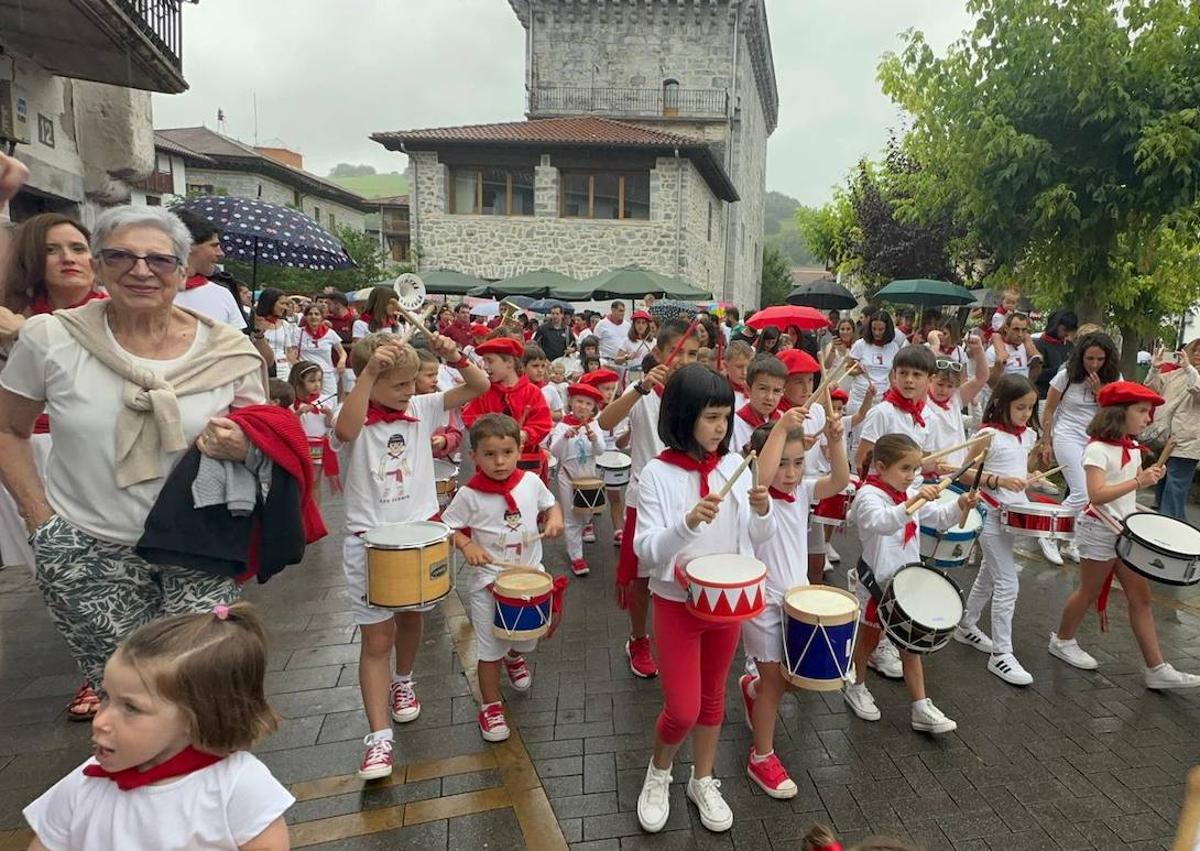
(161, 21)
(629, 103)
(158, 182)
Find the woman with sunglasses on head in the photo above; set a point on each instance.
(130, 382)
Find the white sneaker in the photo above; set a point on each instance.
(1050, 551)
(828, 566)
(886, 660)
(831, 553)
(861, 701)
(654, 802)
(852, 580)
(705, 793)
(589, 534)
(1166, 677)
(927, 718)
(972, 636)
(1072, 552)
(1007, 668)
(1071, 653)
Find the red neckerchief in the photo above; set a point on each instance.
(1167, 367)
(377, 413)
(898, 498)
(738, 388)
(506, 391)
(572, 420)
(483, 484)
(687, 462)
(1015, 431)
(195, 281)
(271, 320)
(1002, 310)
(945, 406)
(1051, 339)
(912, 407)
(325, 329)
(41, 303)
(906, 331)
(778, 494)
(751, 417)
(1126, 443)
(185, 762)
(311, 400)
(948, 350)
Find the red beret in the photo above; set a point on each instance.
(1127, 393)
(837, 394)
(641, 314)
(599, 376)
(586, 390)
(798, 362)
(479, 330)
(501, 346)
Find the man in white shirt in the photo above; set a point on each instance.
(1013, 350)
(612, 331)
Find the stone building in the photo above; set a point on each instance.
(168, 182)
(276, 175)
(75, 83)
(697, 79)
(577, 195)
(390, 225)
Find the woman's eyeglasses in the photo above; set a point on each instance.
(952, 365)
(121, 261)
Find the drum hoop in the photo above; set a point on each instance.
(522, 602)
(587, 483)
(1155, 548)
(415, 545)
(523, 571)
(831, 620)
(746, 583)
(820, 627)
(951, 534)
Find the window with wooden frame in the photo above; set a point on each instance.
(604, 195)
(491, 191)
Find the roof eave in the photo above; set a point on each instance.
(312, 186)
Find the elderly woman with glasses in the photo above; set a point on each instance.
(130, 383)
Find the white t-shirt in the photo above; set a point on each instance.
(876, 361)
(885, 418)
(550, 393)
(1075, 409)
(224, 805)
(1018, 360)
(387, 471)
(881, 528)
(319, 349)
(1108, 459)
(83, 398)
(785, 549)
(815, 461)
(1008, 456)
(509, 539)
(946, 427)
(611, 336)
(280, 337)
(637, 351)
(214, 301)
(644, 444)
(361, 329)
(742, 430)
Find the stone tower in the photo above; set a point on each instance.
(697, 67)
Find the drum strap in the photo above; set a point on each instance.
(867, 577)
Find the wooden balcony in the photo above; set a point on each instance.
(159, 182)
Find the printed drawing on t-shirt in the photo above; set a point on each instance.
(512, 542)
(394, 470)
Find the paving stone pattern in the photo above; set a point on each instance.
(1078, 760)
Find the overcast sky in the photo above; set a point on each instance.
(327, 73)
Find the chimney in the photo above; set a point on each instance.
(283, 155)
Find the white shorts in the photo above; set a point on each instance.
(762, 635)
(354, 566)
(1095, 539)
(488, 646)
(816, 538)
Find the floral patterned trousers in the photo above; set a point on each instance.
(99, 592)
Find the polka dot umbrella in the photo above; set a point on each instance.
(255, 231)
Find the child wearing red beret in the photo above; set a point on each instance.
(1113, 464)
(576, 442)
(511, 393)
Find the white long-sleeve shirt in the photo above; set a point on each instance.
(784, 550)
(881, 525)
(576, 453)
(666, 494)
(644, 444)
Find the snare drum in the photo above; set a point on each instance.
(1160, 548)
(587, 496)
(615, 467)
(523, 603)
(951, 547)
(920, 608)
(833, 510)
(408, 564)
(445, 475)
(820, 625)
(726, 588)
(1038, 520)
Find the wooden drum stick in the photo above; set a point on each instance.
(942, 453)
(738, 472)
(920, 503)
(1166, 452)
(1189, 815)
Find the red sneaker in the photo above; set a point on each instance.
(405, 706)
(580, 567)
(747, 699)
(770, 775)
(84, 705)
(377, 759)
(493, 726)
(618, 536)
(518, 674)
(641, 660)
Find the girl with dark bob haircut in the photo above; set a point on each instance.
(688, 392)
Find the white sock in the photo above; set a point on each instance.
(402, 678)
(756, 757)
(383, 736)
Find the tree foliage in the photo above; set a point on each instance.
(1065, 136)
(776, 276)
(830, 232)
(373, 265)
(352, 170)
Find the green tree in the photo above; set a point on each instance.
(831, 232)
(373, 265)
(776, 276)
(1065, 135)
(352, 170)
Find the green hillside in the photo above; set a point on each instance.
(374, 185)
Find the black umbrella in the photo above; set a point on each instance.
(545, 305)
(255, 231)
(664, 310)
(824, 294)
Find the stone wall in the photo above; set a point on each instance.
(749, 175)
(503, 246)
(248, 185)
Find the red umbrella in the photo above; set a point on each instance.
(785, 316)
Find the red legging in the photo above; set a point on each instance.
(693, 661)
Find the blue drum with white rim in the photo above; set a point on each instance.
(952, 547)
(820, 625)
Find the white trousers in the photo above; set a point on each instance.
(573, 522)
(997, 581)
(1068, 451)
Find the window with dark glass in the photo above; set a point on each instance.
(491, 191)
(605, 195)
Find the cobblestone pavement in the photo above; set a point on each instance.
(1078, 760)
